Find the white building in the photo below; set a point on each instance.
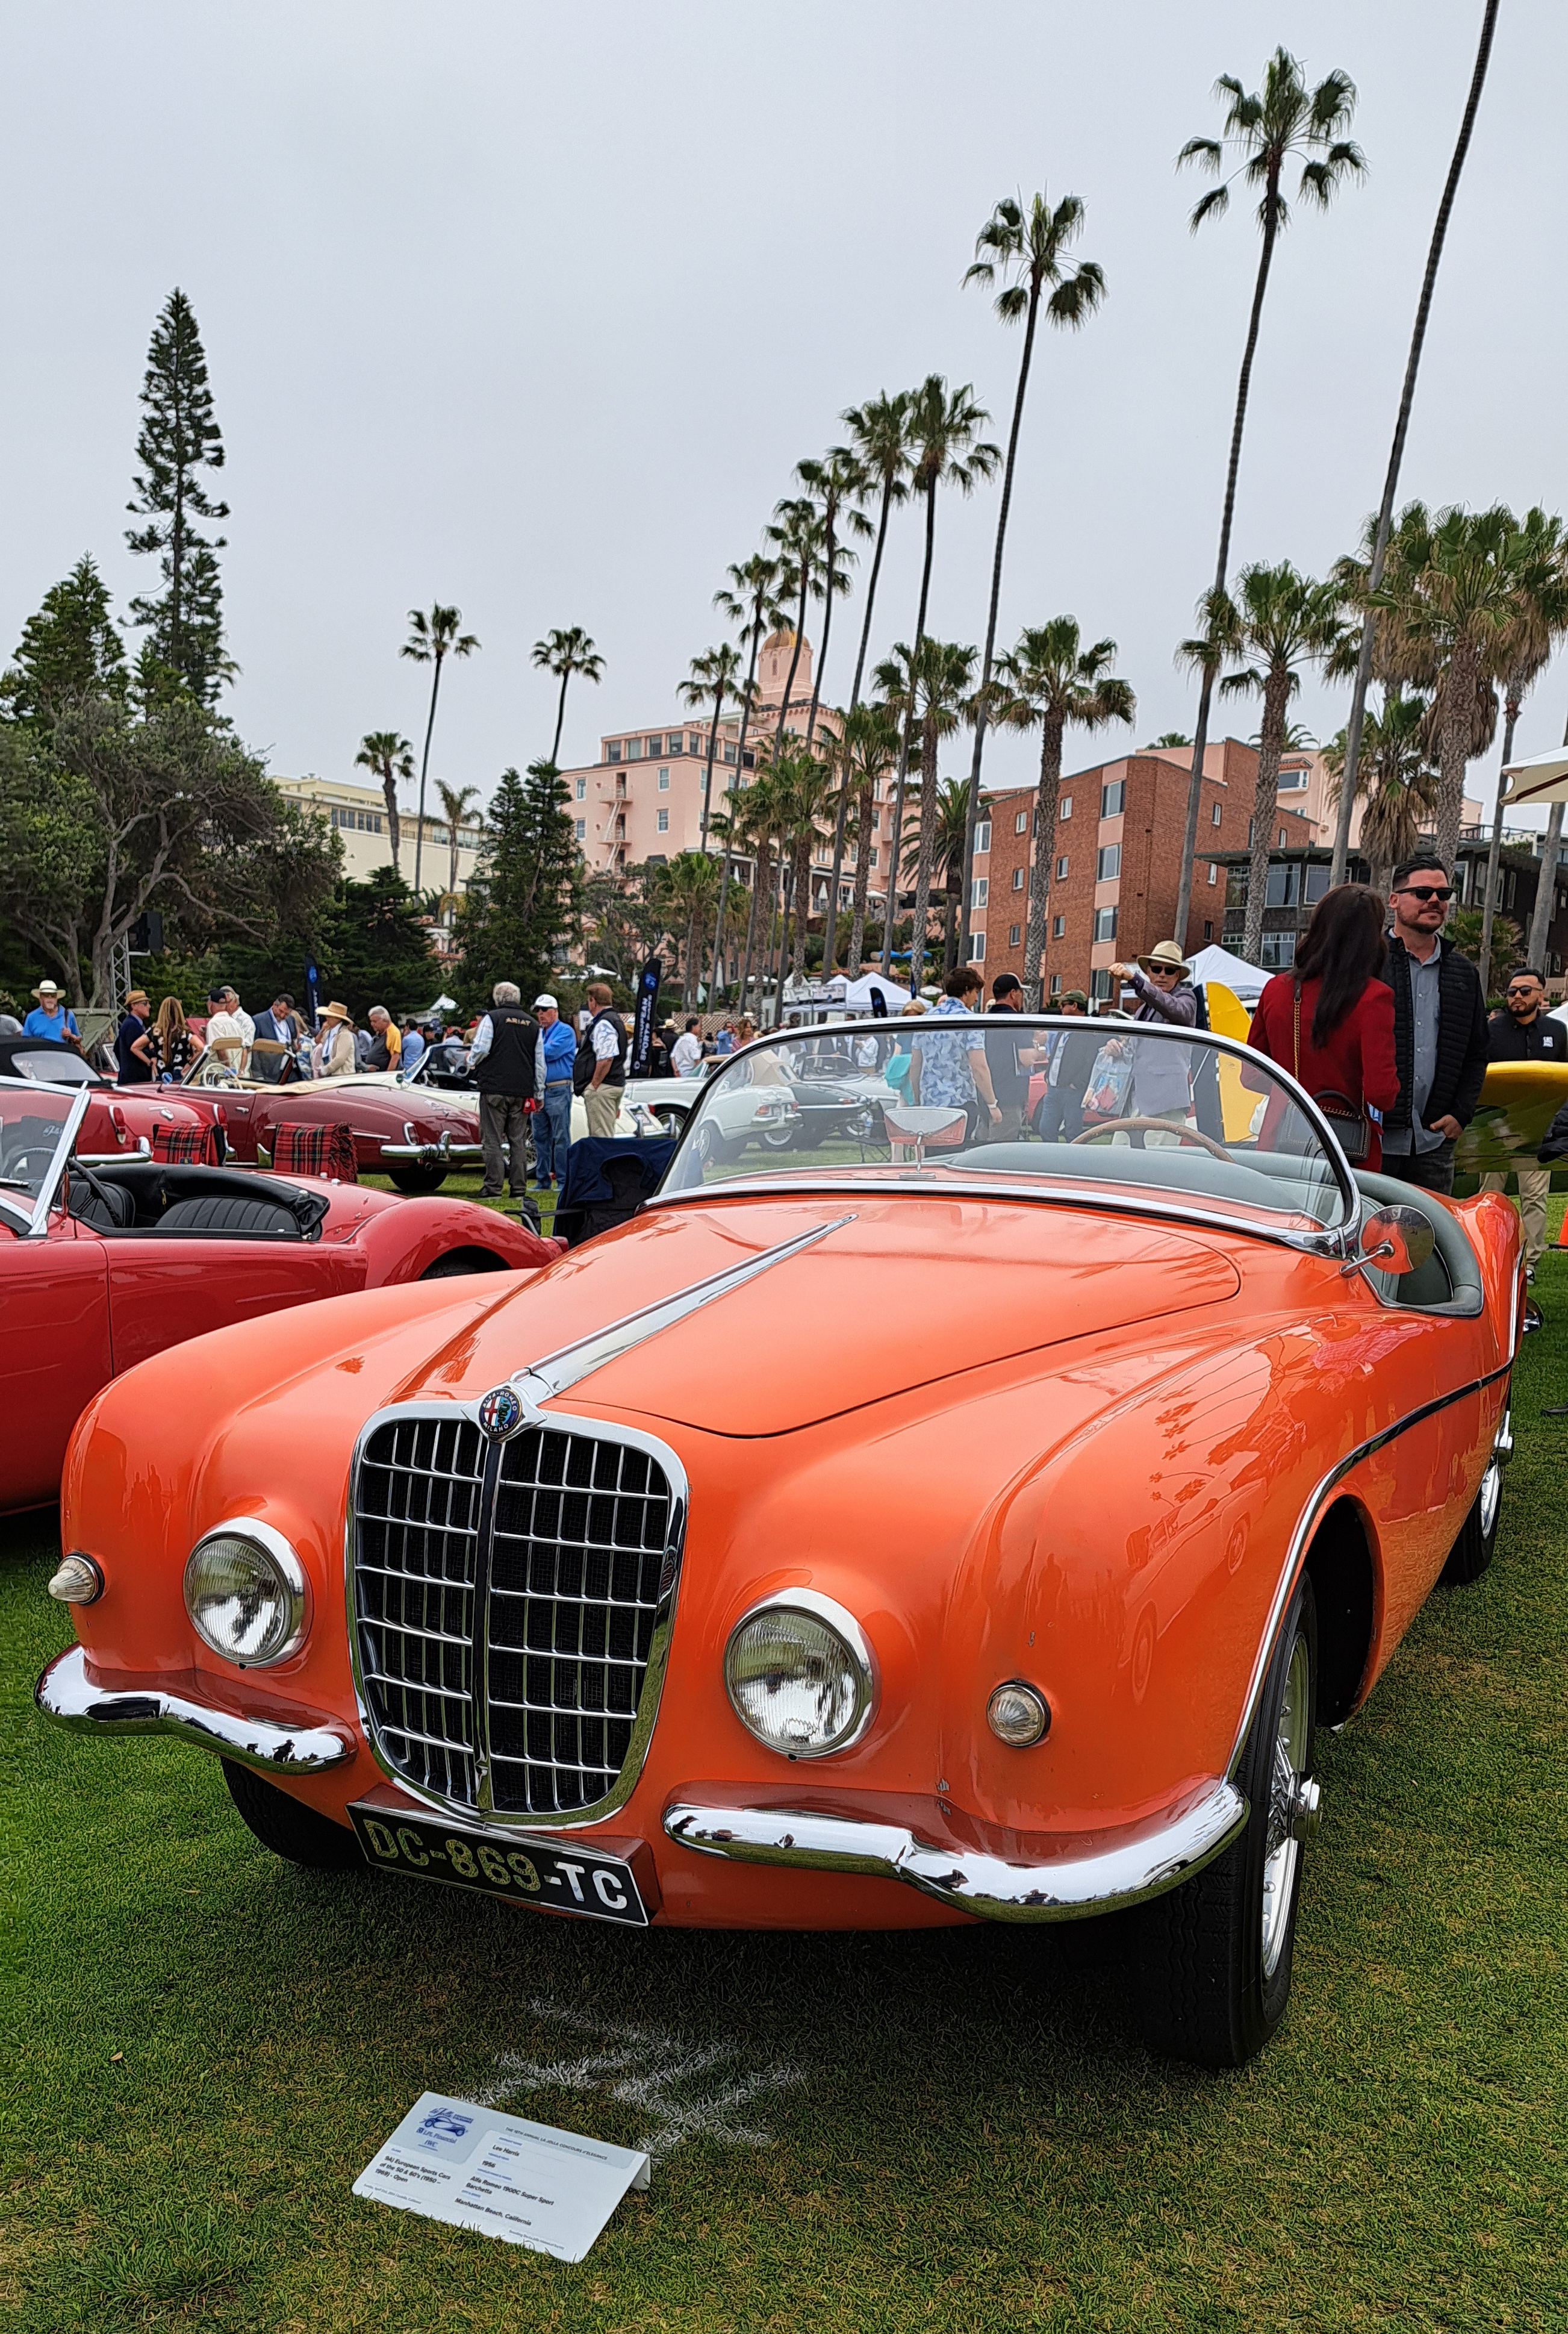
(358, 815)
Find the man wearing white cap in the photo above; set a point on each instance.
(552, 1125)
(51, 1017)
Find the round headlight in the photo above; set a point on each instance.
(246, 1593)
(799, 1675)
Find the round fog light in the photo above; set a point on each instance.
(246, 1593)
(1019, 1714)
(799, 1677)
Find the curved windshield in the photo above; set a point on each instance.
(1054, 1106)
(32, 1123)
(53, 1066)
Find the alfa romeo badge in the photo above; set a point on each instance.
(501, 1411)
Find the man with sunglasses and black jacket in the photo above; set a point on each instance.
(1441, 1045)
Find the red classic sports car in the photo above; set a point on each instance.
(411, 1132)
(103, 1264)
(979, 1530)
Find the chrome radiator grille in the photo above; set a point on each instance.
(506, 1599)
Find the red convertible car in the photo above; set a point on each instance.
(413, 1133)
(103, 1262)
(975, 1531)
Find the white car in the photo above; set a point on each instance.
(750, 1114)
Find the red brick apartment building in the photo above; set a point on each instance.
(1116, 860)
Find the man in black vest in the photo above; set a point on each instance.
(504, 1061)
(1440, 1042)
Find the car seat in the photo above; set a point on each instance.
(232, 1215)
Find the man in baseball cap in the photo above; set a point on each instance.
(553, 1124)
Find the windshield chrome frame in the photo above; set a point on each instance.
(37, 1221)
(1332, 1239)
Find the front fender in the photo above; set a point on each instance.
(401, 1243)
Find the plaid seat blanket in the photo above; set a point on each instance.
(185, 1146)
(328, 1150)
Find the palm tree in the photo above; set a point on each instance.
(944, 449)
(799, 538)
(758, 814)
(712, 675)
(879, 433)
(750, 599)
(1402, 425)
(392, 758)
(932, 687)
(1396, 779)
(803, 791)
(1277, 621)
(1030, 248)
(565, 654)
(431, 640)
(1535, 629)
(686, 887)
(867, 753)
(1461, 597)
(454, 801)
(1263, 131)
(947, 860)
(1051, 683)
(837, 482)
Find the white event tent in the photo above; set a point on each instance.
(1544, 779)
(1215, 963)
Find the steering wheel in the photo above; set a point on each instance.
(1156, 1127)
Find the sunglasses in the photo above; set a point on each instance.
(1521, 989)
(1426, 892)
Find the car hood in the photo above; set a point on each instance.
(898, 1293)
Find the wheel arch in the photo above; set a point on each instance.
(1340, 1567)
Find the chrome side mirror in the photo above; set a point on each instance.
(1396, 1240)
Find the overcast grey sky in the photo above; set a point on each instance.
(534, 308)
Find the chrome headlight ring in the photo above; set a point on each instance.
(258, 1583)
(826, 1661)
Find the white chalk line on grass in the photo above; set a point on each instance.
(649, 2066)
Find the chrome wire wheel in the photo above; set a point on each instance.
(1292, 1736)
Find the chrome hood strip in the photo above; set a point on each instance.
(559, 1371)
(1070, 1887)
(64, 1694)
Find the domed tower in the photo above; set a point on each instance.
(773, 671)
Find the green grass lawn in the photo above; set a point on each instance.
(204, 2047)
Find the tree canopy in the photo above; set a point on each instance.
(179, 438)
(528, 896)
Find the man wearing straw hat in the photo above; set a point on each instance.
(1161, 1086)
(51, 1017)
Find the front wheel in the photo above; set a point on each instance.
(290, 1830)
(1474, 1549)
(1217, 1951)
(414, 1183)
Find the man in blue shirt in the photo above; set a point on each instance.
(51, 1017)
(553, 1124)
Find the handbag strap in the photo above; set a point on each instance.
(1295, 1045)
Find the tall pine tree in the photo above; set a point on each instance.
(180, 439)
(69, 651)
(530, 894)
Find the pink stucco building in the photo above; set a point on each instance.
(642, 799)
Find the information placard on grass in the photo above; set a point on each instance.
(480, 2168)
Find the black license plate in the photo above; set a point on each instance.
(497, 1864)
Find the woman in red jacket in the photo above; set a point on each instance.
(1330, 1021)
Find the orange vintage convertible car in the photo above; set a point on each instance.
(897, 1532)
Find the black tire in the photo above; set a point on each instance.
(781, 1138)
(414, 1183)
(1477, 1545)
(1214, 1953)
(709, 1146)
(296, 1832)
(460, 1261)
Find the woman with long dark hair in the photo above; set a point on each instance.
(1330, 1022)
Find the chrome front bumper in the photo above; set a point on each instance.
(430, 1154)
(1125, 1871)
(64, 1692)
